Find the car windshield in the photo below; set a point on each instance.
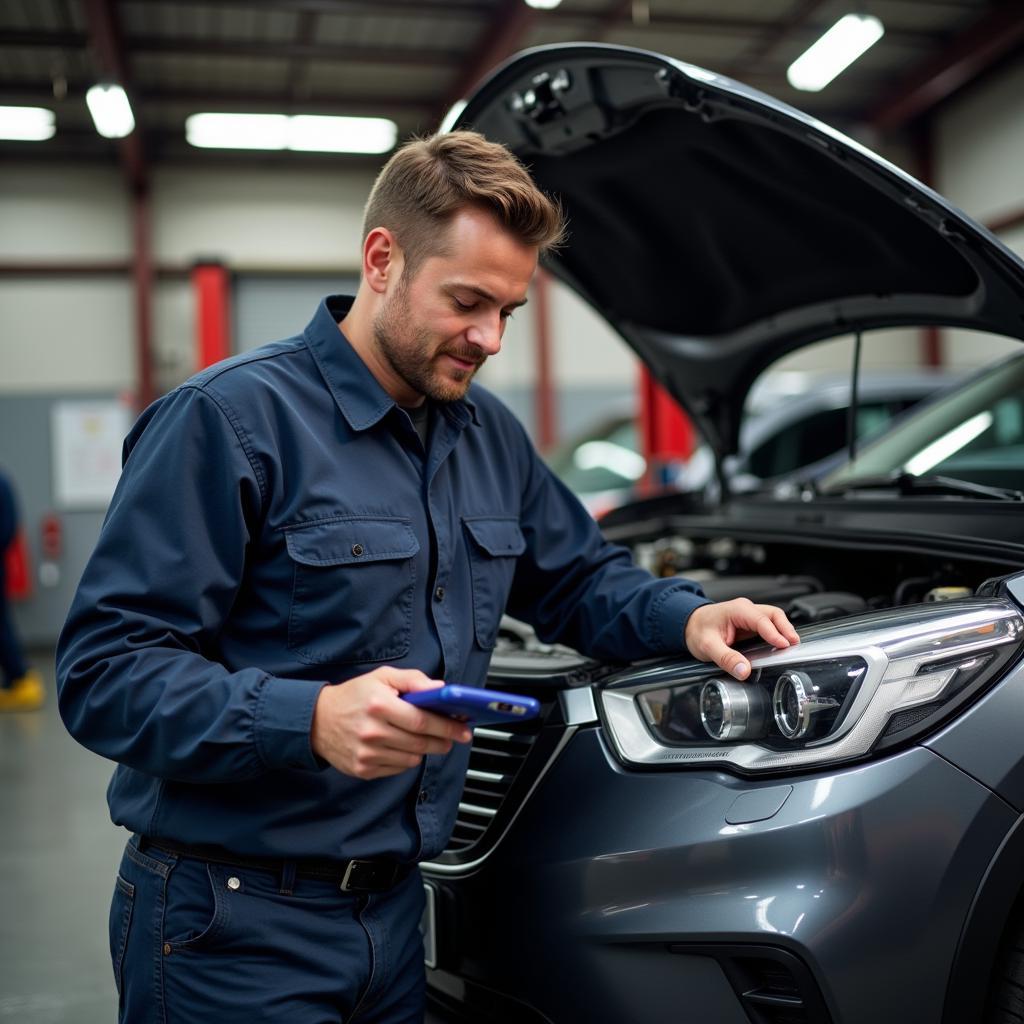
(975, 434)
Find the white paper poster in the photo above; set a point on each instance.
(87, 438)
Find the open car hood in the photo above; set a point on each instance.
(717, 229)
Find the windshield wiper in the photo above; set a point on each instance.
(907, 483)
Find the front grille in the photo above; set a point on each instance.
(495, 760)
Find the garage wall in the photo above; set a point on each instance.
(979, 145)
(62, 338)
(260, 218)
(979, 153)
(73, 334)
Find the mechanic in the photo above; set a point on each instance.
(300, 535)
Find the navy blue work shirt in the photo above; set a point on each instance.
(271, 533)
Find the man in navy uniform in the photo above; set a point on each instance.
(301, 535)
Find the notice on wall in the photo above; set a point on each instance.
(87, 438)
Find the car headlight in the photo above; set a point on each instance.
(848, 689)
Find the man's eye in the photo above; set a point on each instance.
(463, 307)
(506, 314)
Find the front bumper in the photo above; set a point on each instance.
(613, 890)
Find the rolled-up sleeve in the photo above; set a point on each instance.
(136, 679)
(576, 588)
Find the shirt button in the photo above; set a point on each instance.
(234, 884)
(422, 796)
(167, 949)
(357, 549)
(439, 594)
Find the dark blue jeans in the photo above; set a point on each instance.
(193, 941)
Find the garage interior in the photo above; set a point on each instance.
(127, 265)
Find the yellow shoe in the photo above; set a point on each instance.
(26, 694)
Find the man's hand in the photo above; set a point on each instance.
(713, 627)
(363, 728)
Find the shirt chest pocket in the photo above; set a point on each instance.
(495, 544)
(352, 589)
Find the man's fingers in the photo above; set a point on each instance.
(383, 763)
(384, 736)
(767, 630)
(726, 658)
(712, 627)
(411, 719)
(785, 627)
(406, 680)
(408, 717)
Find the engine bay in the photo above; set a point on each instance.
(812, 584)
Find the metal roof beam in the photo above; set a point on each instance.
(770, 38)
(105, 39)
(714, 24)
(199, 46)
(400, 8)
(225, 99)
(503, 36)
(971, 53)
(108, 46)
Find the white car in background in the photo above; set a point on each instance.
(793, 420)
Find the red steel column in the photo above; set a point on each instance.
(666, 433)
(211, 288)
(547, 428)
(143, 276)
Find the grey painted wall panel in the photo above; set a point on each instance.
(268, 308)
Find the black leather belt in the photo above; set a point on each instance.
(351, 875)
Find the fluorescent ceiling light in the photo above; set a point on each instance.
(543, 5)
(237, 131)
(318, 133)
(26, 124)
(835, 51)
(111, 111)
(302, 132)
(949, 444)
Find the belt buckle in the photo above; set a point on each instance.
(350, 884)
(348, 874)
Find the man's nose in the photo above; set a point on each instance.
(486, 335)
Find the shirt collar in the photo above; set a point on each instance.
(357, 393)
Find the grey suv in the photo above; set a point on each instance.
(840, 839)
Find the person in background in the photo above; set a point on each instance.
(21, 688)
(301, 535)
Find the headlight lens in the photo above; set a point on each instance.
(852, 687)
(781, 707)
(732, 711)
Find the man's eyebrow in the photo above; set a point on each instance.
(485, 294)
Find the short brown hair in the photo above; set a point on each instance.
(429, 180)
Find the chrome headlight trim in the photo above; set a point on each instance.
(905, 659)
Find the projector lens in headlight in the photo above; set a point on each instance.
(779, 707)
(733, 711)
(800, 709)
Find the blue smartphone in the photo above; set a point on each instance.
(475, 706)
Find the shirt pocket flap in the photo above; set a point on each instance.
(351, 540)
(499, 537)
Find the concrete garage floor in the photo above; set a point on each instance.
(58, 856)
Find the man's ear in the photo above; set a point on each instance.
(382, 259)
